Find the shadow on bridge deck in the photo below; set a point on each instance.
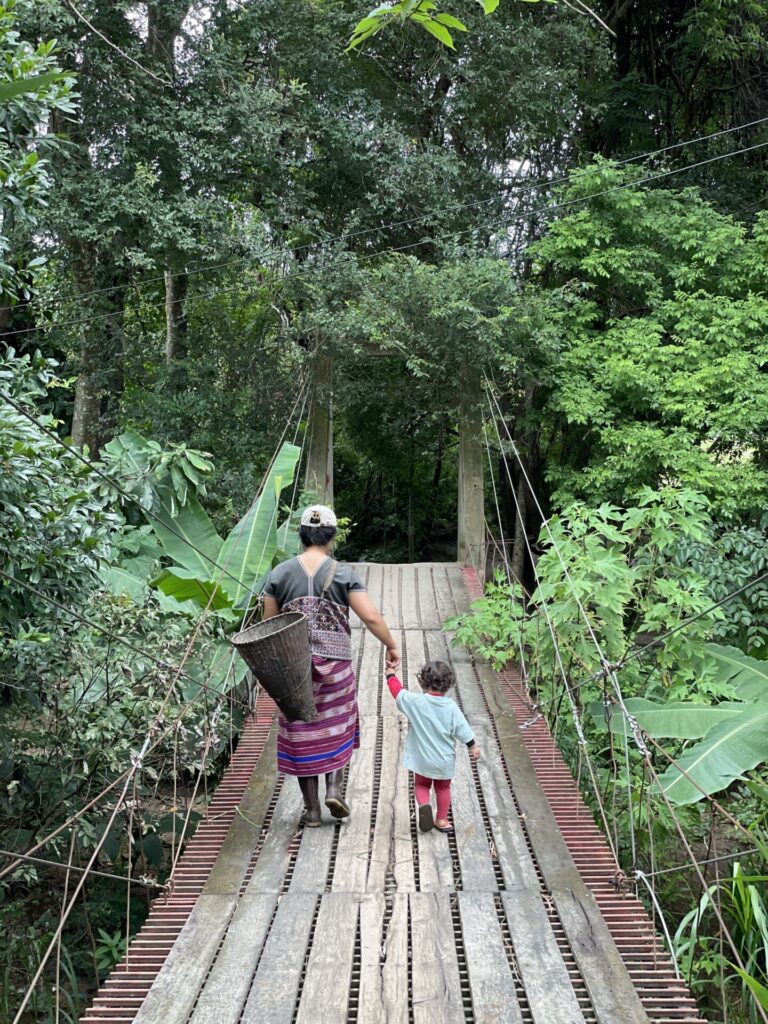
(370, 920)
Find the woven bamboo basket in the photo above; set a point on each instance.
(277, 652)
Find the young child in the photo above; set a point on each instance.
(435, 723)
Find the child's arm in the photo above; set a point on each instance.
(394, 684)
(463, 732)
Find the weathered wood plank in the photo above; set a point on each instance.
(376, 584)
(471, 839)
(351, 869)
(181, 977)
(384, 959)
(275, 988)
(435, 967)
(430, 617)
(435, 861)
(382, 852)
(326, 987)
(313, 859)
(226, 988)
(411, 617)
(232, 862)
(403, 848)
(494, 999)
(446, 605)
(274, 857)
(390, 604)
(371, 675)
(461, 596)
(610, 988)
(545, 979)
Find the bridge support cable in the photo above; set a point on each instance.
(558, 657)
(609, 672)
(129, 776)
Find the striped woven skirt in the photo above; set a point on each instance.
(314, 748)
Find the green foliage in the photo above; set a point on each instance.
(32, 86)
(56, 527)
(740, 900)
(660, 373)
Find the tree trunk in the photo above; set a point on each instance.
(320, 459)
(175, 316)
(86, 417)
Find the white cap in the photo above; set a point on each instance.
(318, 515)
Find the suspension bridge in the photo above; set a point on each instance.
(519, 916)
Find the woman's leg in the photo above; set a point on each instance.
(443, 797)
(308, 786)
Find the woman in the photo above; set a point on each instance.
(324, 591)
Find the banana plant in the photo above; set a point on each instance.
(205, 569)
(732, 735)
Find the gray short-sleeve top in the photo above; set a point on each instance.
(328, 620)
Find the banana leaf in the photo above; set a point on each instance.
(185, 585)
(249, 550)
(748, 676)
(728, 751)
(680, 720)
(189, 537)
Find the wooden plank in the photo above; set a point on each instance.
(226, 988)
(494, 999)
(276, 984)
(430, 617)
(310, 871)
(274, 857)
(381, 861)
(544, 975)
(384, 959)
(403, 814)
(370, 1008)
(376, 584)
(371, 675)
(390, 603)
(461, 596)
(446, 605)
(610, 988)
(470, 694)
(174, 990)
(351, 869)
(435, 966)
(229, 868)
(435, 861)
(471, 839)
(411, 619)
(326, 987)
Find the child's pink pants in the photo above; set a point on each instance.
(422, 786)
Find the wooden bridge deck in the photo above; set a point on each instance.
(370, 920)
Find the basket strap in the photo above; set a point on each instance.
(330, 576)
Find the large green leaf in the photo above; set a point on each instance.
(248, 551)
(679, 720)
(728, 750)
(21, 86)
(185, 585)
(121, 582)
(748, 676)
(190, 538)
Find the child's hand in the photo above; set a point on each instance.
(474, 752)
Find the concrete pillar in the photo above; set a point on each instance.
(471, 510)
(319, 478)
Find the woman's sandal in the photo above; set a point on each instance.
(338, 807)
(426, 821)
(444, 828)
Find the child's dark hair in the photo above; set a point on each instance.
(322, 535)
(437, 676)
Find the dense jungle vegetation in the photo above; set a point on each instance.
(198, 202)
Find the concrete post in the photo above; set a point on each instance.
(471, 510)
(319, 478)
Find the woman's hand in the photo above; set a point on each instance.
(392, 661)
